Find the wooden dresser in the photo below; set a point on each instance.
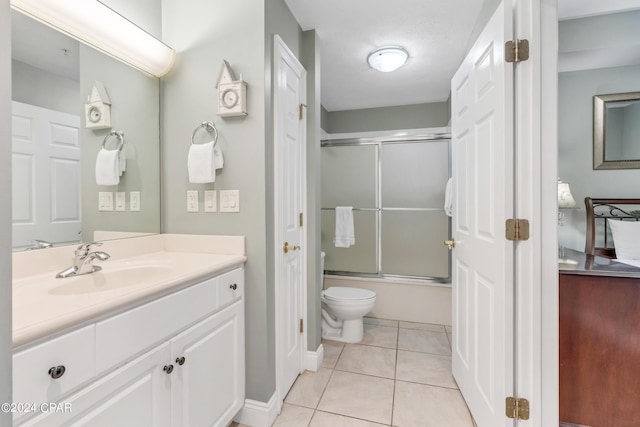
(599, 342)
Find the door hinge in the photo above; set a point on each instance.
(301, 221)
(301, 326)
(517, 229)
(517, 408)
(516, 50)
(302, 106)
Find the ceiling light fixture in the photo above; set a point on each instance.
(97, 25)
(388, 58)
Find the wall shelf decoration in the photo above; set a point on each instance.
(232, 93)
(97, 109)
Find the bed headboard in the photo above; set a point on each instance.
(619, 209)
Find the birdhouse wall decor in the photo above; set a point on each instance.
(232, 93)
(97, 109)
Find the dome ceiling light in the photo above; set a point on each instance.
(388, 58)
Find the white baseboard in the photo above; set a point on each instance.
(313, 359)
(259, 414)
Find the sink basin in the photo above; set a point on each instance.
(110, 279)
(567, 264)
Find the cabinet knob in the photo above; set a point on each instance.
(233, 287)
(168, 368)
(180, 360)
(57, 371)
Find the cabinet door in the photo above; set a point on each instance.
(136, 395)
(208, 388)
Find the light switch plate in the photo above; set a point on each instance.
(210, 204)
(230, 201)
(105, 201)
(120, 201)
(192, 201)
(134, 201)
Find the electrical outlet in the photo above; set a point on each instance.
(120, 201)
(210, 204)
(105, 201)
(134, 201)
(192, 201)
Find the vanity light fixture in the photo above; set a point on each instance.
(101, 27)
(388, 58)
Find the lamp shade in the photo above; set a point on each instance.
(97, 25)
(388, 58)
(565, 198)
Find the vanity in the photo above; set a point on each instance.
(154, 339)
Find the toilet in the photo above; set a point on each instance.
(343, 309)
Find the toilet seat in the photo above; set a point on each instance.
(348, 294)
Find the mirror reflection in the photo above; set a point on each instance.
(616, 131)
(56, 197)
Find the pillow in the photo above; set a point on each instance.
(626, 238)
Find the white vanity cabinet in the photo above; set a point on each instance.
(160, 364)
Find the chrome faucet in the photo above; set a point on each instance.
(83, 261)
(39, 244)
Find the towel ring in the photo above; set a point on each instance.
(209, 127)
(119, 135)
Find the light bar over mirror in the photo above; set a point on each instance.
(97, 25)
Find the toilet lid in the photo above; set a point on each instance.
(348, 294)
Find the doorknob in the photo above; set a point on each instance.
(450, 244)
(286, 248)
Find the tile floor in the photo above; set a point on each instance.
(399, 375)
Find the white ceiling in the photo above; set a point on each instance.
(435, 33)
(42, 47)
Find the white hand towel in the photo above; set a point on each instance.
(122, 163)
(448, 198)
(107, 167)
(345, 235)
(201, 163)
(218, 159)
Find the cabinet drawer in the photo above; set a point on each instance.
(230, 287)
(125, 335)
(32, 382)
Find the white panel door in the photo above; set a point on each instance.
(46, 175)
(482, 168)
(289, 141)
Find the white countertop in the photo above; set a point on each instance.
(139, 269)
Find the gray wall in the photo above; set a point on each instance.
(388, 118)
(311, 61)
(488, 9)
(147, 14)
(215, 32)
(135, 110)
(34, 86)
(575, 162)
(5, 211)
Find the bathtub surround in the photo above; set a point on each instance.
(5, 211)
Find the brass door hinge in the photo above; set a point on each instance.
(302, 106)
(517, 229)
(516, 50)
(517, 408)
(301, 326)
(301, 221)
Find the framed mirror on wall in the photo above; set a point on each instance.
(616, 131)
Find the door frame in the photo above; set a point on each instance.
(281, 50)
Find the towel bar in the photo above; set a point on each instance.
(118, 134)
(209, 127)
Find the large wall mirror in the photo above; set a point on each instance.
(55, 193)
(616, 131)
